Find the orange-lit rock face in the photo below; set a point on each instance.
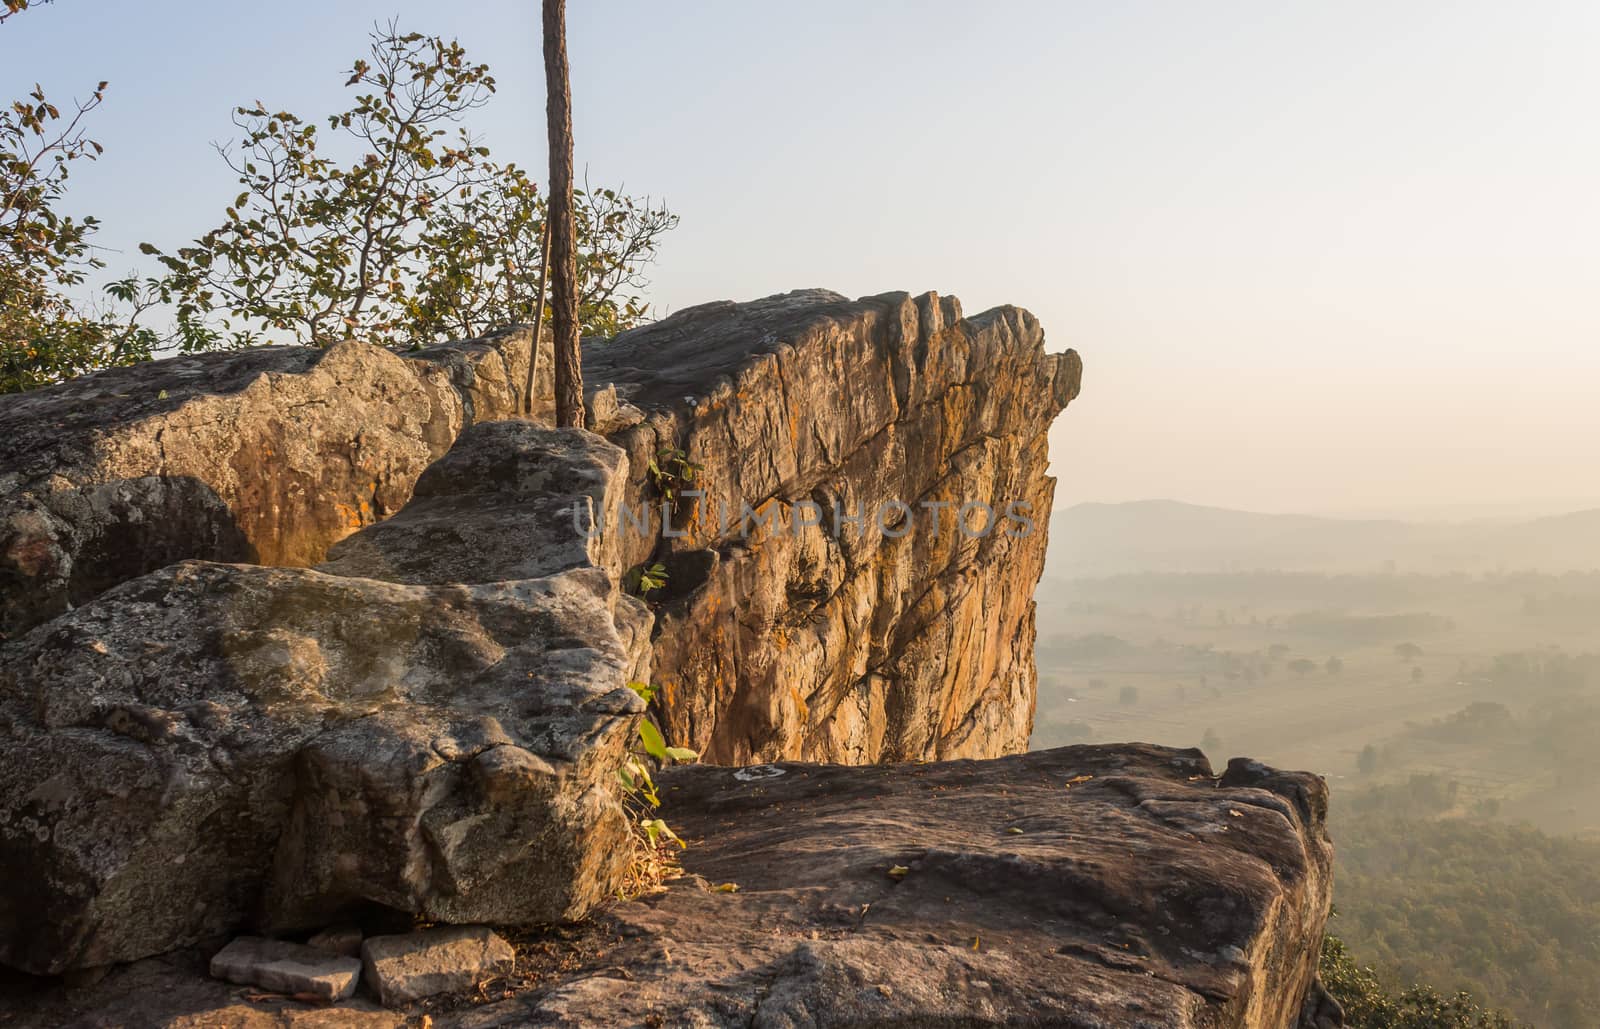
(831, 642)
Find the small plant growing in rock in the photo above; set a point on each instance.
(645, 579)
(672, 472)
(651, 835)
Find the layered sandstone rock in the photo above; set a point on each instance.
(832, 641)
(213, 746)
(905, 636)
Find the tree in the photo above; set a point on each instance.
(45, 335)
(1334, 666)
(1367, 762)
(1367, 1005)
(390, 220)
(1407, 651)
(321, 250)
(563, 265)
(17, 6)
(1302, 666)
(1416, 673)
(1128, 696)
(1211, 743)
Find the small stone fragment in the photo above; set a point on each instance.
(401, 969)
(344, 940)
(289, 968)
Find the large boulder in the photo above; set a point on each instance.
(803, 635)
(509, 501)
(212, 746)
(265, 456)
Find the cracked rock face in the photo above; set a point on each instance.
(211, 746)
(800, 634)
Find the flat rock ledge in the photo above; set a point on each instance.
(1088, 887)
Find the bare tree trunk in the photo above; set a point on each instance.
(563, 262)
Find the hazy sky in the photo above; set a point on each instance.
(1331, 257)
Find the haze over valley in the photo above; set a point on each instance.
(1444, 677)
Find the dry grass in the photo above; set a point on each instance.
(650, 865)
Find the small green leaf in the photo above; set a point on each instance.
(656, 829)
(654, 745)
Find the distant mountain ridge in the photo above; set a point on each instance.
(1172, 536)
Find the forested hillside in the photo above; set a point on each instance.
(1461, 903)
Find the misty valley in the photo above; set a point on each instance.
(1453, 712)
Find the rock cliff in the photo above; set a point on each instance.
(877, 605)
(296, 637)
(854, 582)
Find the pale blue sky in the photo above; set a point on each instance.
(1326, 257)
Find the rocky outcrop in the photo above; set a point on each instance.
(429, 721)
(1085, 887)
(213, 746)
(905, 636)
(798, 633)
(265, 456)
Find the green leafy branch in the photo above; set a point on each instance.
(672, 472)
(639, 786)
